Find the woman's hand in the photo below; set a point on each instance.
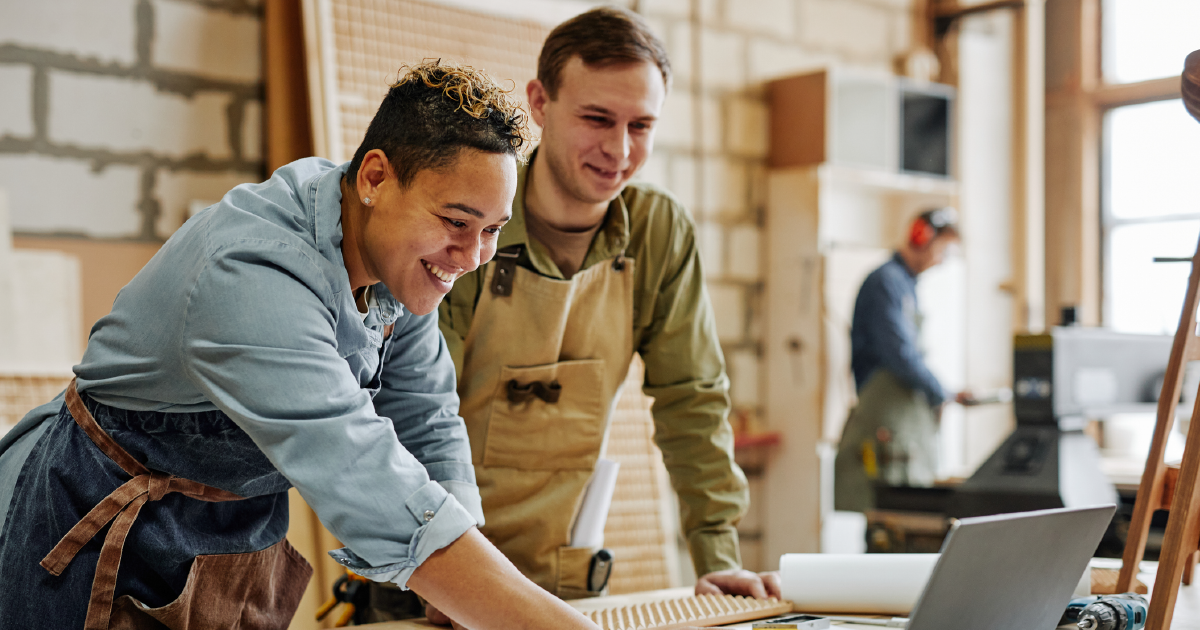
(470, 584)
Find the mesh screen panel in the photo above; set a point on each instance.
(19, 393)
(373, 38)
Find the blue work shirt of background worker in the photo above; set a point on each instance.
(247, 310)
(884, 331)
(890, 438)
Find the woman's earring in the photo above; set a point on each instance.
(367, 200)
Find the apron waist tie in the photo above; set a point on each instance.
(121, 508)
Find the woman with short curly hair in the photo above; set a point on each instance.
(283, 337)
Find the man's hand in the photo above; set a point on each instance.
(740, 582)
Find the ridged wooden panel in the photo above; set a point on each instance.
(637, 531)
(702, 611)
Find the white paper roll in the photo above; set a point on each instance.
(588, 530)
(882, 583)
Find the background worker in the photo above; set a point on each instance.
(591, 269)
(283, 337)
(891, 435)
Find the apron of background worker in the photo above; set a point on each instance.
(190, 556)
(890, 439)
(542, 367)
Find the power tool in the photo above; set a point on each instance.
(1107, 612)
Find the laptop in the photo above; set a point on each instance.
(1010, 571)
(1004, 572)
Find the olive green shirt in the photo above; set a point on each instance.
(675, 332)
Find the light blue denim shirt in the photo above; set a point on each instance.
(248, 309)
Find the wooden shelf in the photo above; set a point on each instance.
(756, 440)
(889, 181)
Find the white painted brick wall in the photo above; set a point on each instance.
(729, 308)
(191, 38)
(743, 378)
(772, 60)
(104, 30)
(713, 123)
(252, 132)
(61, 195)
(773, 17)
(672, 8)
(724, 186)
(675, 128)
(744, 256)
(679, 50)
(859, 29)
(655, 170)
(176, 192)
(711, 244)
(722, 59)
(657, 25)
(128, 115)
(16, 101)
(683, 182)
(746, 127)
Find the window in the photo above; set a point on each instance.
(1148, 39)
(1151, 161)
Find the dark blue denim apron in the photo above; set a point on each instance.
(207, 548)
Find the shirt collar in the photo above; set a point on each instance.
(903, 265)
(612, 239)
(324, 201)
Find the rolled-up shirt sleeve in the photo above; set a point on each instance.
(418, 395)
(260, 343)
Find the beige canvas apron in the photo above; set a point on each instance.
(542, 365)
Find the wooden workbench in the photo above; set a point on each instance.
(1187, 609)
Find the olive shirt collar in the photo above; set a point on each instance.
(611, 240)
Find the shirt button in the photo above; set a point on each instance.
(429, 515)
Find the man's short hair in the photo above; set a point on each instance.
(604, 36)
(434, 111)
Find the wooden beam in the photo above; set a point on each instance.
(288, 127)
(1107, 96)
(954, 10)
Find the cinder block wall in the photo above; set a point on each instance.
(116, 114)
(712, 144)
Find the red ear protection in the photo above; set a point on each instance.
(921, 233)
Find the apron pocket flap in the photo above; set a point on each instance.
(547, 417)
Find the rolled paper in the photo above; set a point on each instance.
(588, 530)
(875, 583)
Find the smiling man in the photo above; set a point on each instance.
(591, 269)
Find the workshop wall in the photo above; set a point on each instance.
(712, 143)
(116, 114)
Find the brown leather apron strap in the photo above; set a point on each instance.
(121, 507)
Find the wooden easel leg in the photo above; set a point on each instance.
(1189, 567)
(1149, 498)
(1150, 491)
(1183, 531)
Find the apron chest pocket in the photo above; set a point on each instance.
(547, 417)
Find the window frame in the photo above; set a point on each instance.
(1076, 221)
(1107, 97)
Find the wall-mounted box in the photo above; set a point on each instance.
(861, 120)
